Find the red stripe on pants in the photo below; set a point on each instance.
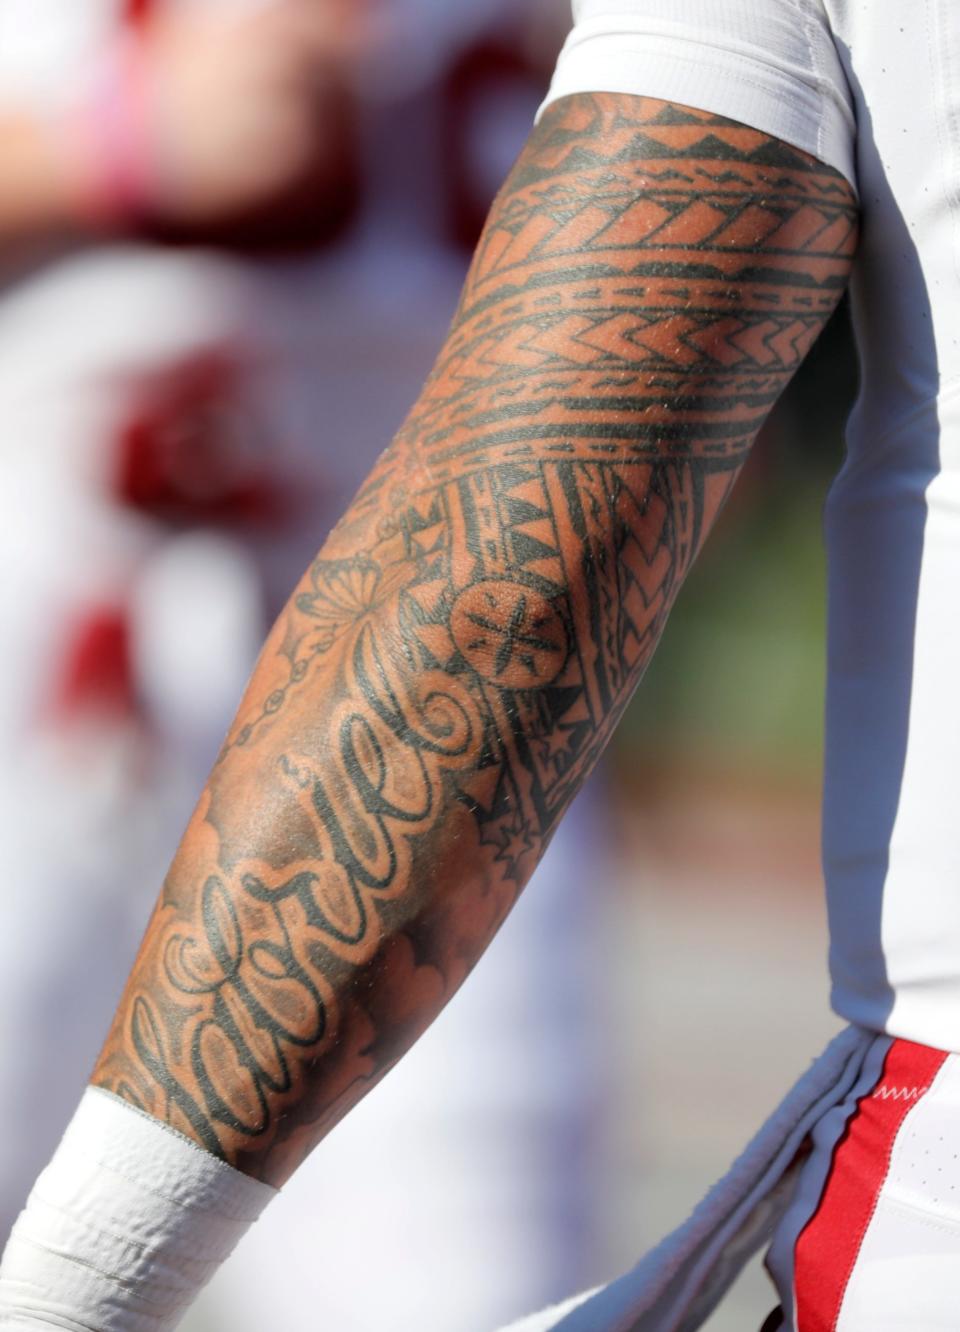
(827, 1249)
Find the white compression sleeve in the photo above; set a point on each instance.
(124, 1226)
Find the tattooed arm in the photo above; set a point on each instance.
(453, 663)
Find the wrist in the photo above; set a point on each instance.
(124, 1227)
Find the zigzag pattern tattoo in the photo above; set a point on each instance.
(454, 661)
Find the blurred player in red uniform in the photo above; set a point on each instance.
(146, 455)
(160, 442)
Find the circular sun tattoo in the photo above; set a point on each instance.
(509, 634)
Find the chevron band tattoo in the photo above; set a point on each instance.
(454, 661)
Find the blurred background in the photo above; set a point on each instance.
(201, 353)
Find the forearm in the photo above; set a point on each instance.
(449, 669)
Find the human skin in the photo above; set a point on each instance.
(232, 111)
(451, 666)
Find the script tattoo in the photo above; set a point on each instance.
(453, 663)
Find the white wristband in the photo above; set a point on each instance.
(124, 1227)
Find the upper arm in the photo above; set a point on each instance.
(650, 277)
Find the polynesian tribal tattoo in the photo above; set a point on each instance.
(453, 663)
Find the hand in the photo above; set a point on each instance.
(232, 109)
